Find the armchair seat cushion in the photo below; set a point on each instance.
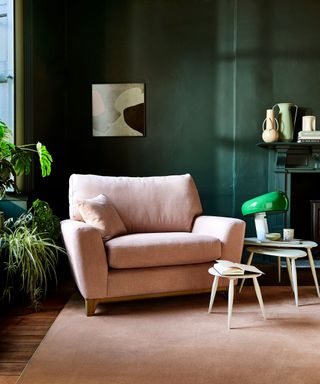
(143, 250)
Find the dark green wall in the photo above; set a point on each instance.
(211, 69)
(278, 60)
(46, 95)
(178, 50)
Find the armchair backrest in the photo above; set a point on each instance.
(145, 204)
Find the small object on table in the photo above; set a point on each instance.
(226, 267)
(273, 236)
(276, 201)
(288, 234)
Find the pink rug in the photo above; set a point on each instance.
(175, 340)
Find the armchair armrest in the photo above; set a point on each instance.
(229, 231)
(87, 257)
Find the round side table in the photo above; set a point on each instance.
(306, 245)
(232, 278)
(289, 254)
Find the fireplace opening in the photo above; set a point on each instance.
(305, 207)
(304, 190)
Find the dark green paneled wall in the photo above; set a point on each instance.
(182, 52)
(278, 60)
(46, 94)
(211, 68)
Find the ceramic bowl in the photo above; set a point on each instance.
(273, 236)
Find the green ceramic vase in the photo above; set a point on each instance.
(286, 124)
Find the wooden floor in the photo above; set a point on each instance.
(21, 329)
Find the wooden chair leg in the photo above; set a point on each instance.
(91, 305)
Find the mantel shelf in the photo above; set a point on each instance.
(293, 156)
(288, 145)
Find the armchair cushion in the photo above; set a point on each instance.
(145, 204)
(100, 213)
(143, 250)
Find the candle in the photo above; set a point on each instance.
(308, 123)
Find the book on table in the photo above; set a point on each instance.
(228, 268)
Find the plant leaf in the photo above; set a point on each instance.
(21, 161)
(5, 133)
(45, 159)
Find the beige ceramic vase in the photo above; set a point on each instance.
(270, 128)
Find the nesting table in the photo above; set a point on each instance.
(290, 250)
(232, 278)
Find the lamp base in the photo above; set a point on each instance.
(260, 221)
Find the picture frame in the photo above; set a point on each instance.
(118, 109)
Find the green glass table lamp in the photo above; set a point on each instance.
(274, 202)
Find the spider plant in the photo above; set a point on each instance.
(29, 252)
(16, 160)
(41, 216)
(30, 259)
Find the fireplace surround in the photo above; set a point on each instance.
(294, 168)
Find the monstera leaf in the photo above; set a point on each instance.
(16, 159)
(45, 159)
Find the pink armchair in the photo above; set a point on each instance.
(134, 237)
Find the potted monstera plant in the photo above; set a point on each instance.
(28, 245)
(16, 160)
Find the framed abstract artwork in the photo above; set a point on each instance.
(118, 109)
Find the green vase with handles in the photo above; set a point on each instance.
(286, 123)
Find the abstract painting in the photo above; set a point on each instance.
(118, 109)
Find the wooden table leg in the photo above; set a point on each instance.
(289, 268)
(230, 301)
(313, 270)
(279, 269)
(248, 263)
(294, 280)
(259, 296)
(213, 292)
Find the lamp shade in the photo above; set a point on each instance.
(276, 201)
